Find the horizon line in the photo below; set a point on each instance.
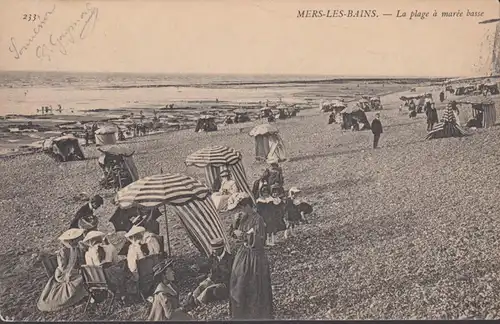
(252, 74)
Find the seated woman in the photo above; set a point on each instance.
(142, 244)
(166, 305)
(227, 189)
(102, 253)
(65, 288)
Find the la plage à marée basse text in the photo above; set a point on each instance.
(334, 13)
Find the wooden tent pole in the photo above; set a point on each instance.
(168, 234)
(166, 225)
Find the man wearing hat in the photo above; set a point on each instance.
(216, 285)
(165, 303)
(85, 217)
(376, 130)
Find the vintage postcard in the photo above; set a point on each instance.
(251, 159)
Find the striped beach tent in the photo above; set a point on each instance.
(217, 158)
(448, 127)
(190, 200)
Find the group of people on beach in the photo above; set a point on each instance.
(241, 275)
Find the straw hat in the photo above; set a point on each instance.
(135, 230)
(92, 235)
(71, 234)
(239, 197)
(294, 190)
(224, 173)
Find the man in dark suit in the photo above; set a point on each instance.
(85, 218)
(216, 285)
(376, 130)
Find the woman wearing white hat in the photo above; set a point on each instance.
(65, 288)
(102, 253)
(250, 293)
(142, 244)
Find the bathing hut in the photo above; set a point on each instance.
(105, 136)
(268, 143)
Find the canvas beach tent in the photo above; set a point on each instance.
(64, 148)
(215, 158)
(268, 143)
(447, 128)
(121, 157)
(190, 201)
(105, 136)
(482, 108)
(354, 112)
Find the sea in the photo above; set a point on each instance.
(24, 93)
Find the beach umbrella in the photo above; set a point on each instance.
(213, 158)
(264, 129)
(190, 200)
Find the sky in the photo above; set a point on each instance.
(246, 36)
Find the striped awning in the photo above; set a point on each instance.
(190, 199)
(449, 116)
(154, 191)
(214, 156)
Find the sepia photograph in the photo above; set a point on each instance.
(168, 160)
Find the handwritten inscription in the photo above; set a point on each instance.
(82, 27)
(57, 42)
(18, 52)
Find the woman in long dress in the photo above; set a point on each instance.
(166, 305)
(251, 295)
(65, 288)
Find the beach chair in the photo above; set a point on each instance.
(97, 285)
(49, 262)
(145, 281)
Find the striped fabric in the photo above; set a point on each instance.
(191, 202)
(212, 173)
(202, 223)
(489, 116)
(216, 158)
(213, 155)
(153, 191)
(240, 177)
(449, 116)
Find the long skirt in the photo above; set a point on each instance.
(251, 295)
(58, 295)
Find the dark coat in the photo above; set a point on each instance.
(83, 212)
(376, 127)
(220, 271)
